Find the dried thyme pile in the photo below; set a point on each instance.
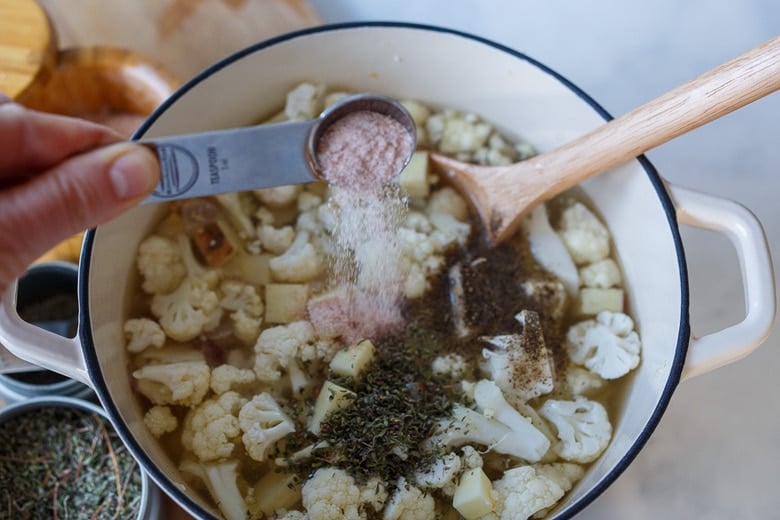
(62, 463)
(399, 402)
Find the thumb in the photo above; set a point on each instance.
(81, 192)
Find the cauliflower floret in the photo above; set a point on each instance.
(466, 426)
(308, 201)
(409, 503)
(497, 152)
(239, 217)
(602, 274)
(276, 240)
(607, 345)
(212, 429)
(449, 230)
(441, 474)
(549, 250)
(239, 295)
(452, 365)
(420, 257)
(227, 377)
(374, 493)
(263, 423)
(447, 200)
(245, 326)
(491, 401)
(291, 515)
(470, 457)
(300, 263)
(247, 309)
(583, 428)
(279, 196)
(160, 420)
(221, 480)
(522, 491)
(142, 333)
(582, 381)
(160, 265)
(187, 311)
(586, 238)
(462, 134)
(185, 383)
(278, 347)
(520, 365)
(305, 101)
(331, 494)
(264, 216)
(565, 474)
(552, 292)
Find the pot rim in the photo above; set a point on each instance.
(657, 182)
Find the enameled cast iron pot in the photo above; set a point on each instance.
(452, 69)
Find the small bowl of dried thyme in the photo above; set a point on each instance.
(61, 458)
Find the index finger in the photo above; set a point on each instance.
(31, 141)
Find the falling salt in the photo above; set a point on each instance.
(361, 156)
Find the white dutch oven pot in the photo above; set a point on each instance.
(446, 68)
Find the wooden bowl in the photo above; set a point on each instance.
(109, 85)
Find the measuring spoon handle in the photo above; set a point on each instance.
(239, 159)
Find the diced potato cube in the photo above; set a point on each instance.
(351, 361)
(285, 302)
(252, 269)
(474, 495)
(331, 399)
(593, 301)
(414, 178)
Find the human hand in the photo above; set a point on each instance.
(58, 176)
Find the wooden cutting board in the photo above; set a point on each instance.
(184, 36)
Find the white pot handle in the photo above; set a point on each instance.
(36, 345)
(746, 234)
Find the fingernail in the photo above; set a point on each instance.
(135, 173)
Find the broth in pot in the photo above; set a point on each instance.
(340, 352)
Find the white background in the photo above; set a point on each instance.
(716, 453)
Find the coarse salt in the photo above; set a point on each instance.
(364, 150)
(361, 156)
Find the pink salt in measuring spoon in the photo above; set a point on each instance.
(336, 147)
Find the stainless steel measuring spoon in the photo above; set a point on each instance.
(254, 157)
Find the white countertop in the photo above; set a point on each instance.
(715, 454)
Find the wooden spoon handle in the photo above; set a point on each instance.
(728, 87)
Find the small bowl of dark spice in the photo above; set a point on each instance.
(46, 297)
(60, 457)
